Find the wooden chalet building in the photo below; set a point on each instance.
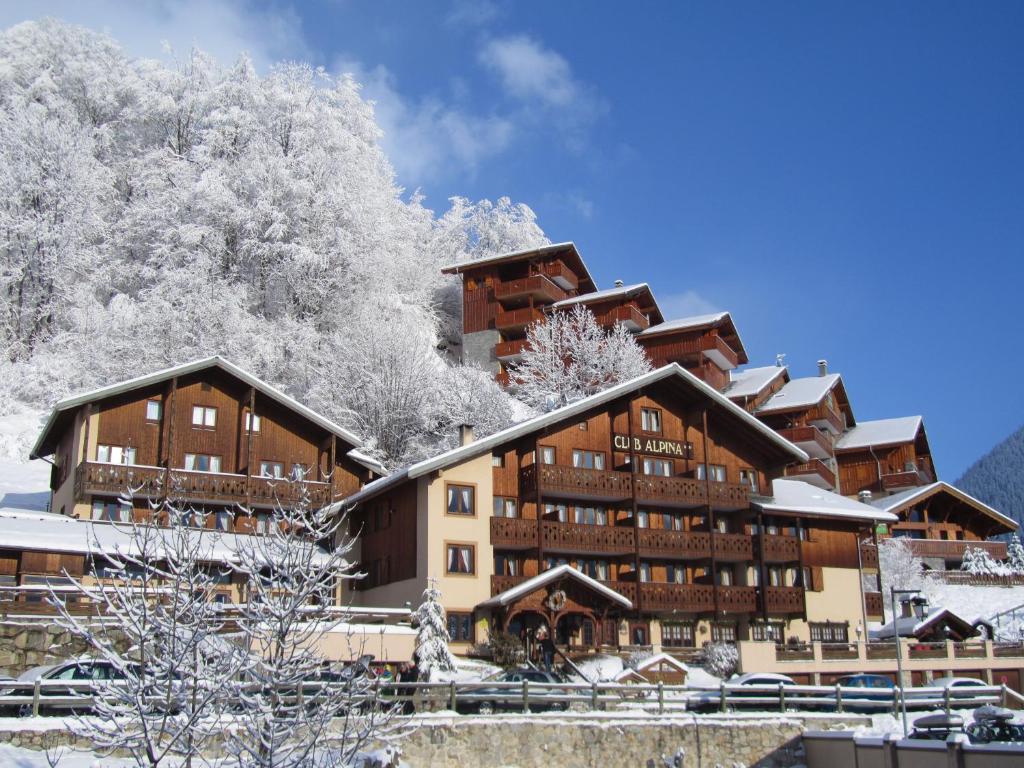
(643, 515)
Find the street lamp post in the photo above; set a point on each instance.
(920, 609)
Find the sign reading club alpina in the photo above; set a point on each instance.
(656, 445)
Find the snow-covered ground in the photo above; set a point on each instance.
(971, 602)
(466, 671)
(24, 484)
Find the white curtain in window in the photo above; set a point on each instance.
(197, 415)
(598, 461)
(467, 507)
(215, 463)
(190, 461)
(577, 458)
(451, 500)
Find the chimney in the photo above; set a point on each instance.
(823, 367)
(864, 497)
(465, 434)
(619, 283)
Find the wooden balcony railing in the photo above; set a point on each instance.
(517, 318)
(837, 651)
(955, 549)
(561, 274)
(780, 549)
(501, 584)
(625, 588)
(114, 479)
(815, 471)
(811, 439)
(561, 481)
(824, 416)
(685, 545)
(509, 350)
(587, 539)
(717, 349)
(689, 492)
(540, 287)
(873, 604)
(784, 599)
(969, 650)
(910, 478)
(869, 555)
(628, 315)
(513, 533)
(734, 547)
(693, 598)
(737, 599)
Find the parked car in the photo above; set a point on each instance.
(960, 687)
(78, 671)
(937, 727)
(711, 700)
(993, 725)
(869, 688)
(486, 701)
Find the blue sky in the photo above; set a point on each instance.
(846, 178)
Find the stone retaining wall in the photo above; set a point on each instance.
(30, 642)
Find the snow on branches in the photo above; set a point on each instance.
(432, 638)
(978, 562)
(570, 356)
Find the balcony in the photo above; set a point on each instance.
(517, 319)
(737, 599)
(561, 275)
(513, 533)
(825, 418)
(194, 487)
(719, 352)
(558, 481)
(501, 584)
(510, 351)
(811, 440)
(690, 492)
(954, 550)
(785, 600)
(684, 545)
(686, 598)
(628, 315)
(587, 539)
(873, 605)
(780, 549)
(815, 472)
(911, 477)
(734, 547)
(869, 556)
(538, 287)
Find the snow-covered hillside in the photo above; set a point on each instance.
(24, 484)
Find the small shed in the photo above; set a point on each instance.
(658, 668)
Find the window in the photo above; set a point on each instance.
(111, 511)
(675, 574)
(506, 565)
(645, 572)
(461, 499)
(723, 633)
(673, 521)
(590, 515)
(677, 635)
(300, 471)
(650, 420)
(638, 633)
(773, 630)
(201, 462)
(725, 576)
(547, 454)
(204, 416)
(830, 632)
(588, 632)
(583, 426)
(775, 576)
(558, 512)
(749, 477)
(643, 518)
(505, 507)
(461, 558)
(595, 569)
(717, 472)
(152, 410)
(587, 459)
(115, 454)
(262, 522)
(272, 469)
(252, 422)
(554, 562)
(657, 467)
(460, 627)
(497, 460)
(223, 520)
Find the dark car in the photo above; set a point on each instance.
(870, 688)
(488, 700)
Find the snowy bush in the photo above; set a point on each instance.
(979, 562)
(898, 568)
(719, 659)
(432, 638)
(505, 649)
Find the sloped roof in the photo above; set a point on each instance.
(752, 381)
(486, 444)
(804, 392)
(650, 661)
(868, 434)
(804, 499)
(721, 320)
(911, 626)
(622, 291)
(44, 447)
(554, 574)
(543, 250)
(905, 499)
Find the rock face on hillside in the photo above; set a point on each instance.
(997, 478)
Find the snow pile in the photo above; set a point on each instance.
(972, 602)
(466, 671)
(600, 668)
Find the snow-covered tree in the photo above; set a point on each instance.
(1015, 555)
(432, 638)
(156, 620)
(719, 659)
(898, 567)
(570, 356)
(284, 717)
(979, 562)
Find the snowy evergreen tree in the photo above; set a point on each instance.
(432, 638)
(569, 356)
(980, 563)
(1015, 555)
(898, 567)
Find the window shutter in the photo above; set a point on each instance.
(817, 579)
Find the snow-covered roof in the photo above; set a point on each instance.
(554, 574)
(805, 499)
(543, 250)
(800, 393)
(486, 444)
(868, 434)
(752, 381)
(626, 291)
(49, 532)
(199, 365)
(650, 661)
(686, 323)
(911, 626)
(904, 499)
